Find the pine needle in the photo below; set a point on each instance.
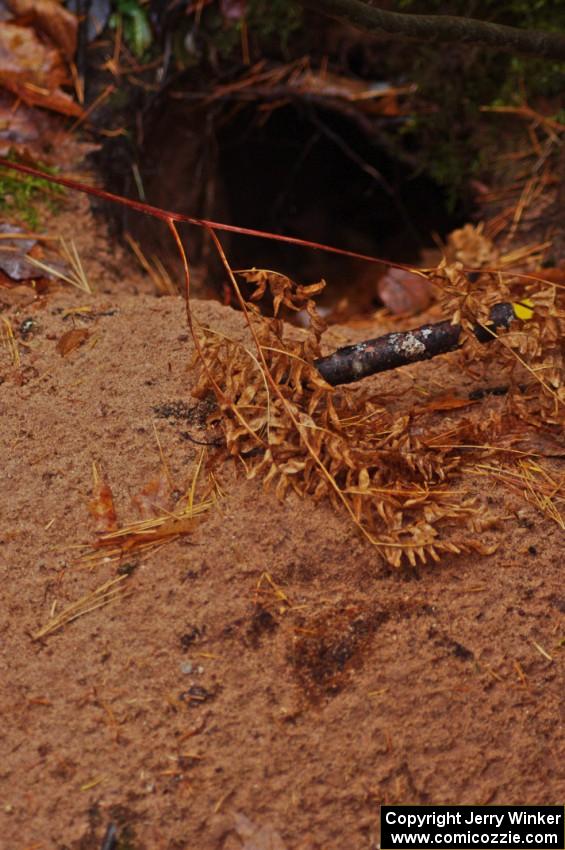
(540, 489)
(9, 341)
(148, 535)
(77, 275)
(108, 592)
(155, 269)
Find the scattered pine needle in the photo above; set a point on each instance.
(9, 341)
(77, 275)
(520, 673)
(267, 583)
(137, 537)
(92, 784)
(108, 592)
(542, 651)
(539, 488)
(192, 491)
(145, 535)
(159, 275)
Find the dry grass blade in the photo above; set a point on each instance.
(108, 592)
(144, 535)
(155, 269)
(399, 480)
(77, 275)
(9, 341)
(193, 483)
(526, 252)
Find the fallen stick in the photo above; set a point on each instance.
(390, 351)
(110, 840)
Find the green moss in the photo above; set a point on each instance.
(455, 81)
(20, 193)
(134, 21)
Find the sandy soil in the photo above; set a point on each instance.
(200, 701)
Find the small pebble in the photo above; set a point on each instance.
(188, 667)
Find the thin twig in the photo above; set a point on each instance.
(442, 28)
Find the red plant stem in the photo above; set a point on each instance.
(167, 215)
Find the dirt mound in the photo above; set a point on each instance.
(267, 675)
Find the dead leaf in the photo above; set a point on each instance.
(72, 339)
(51, 18)
(154, 496)
(404, 292)
(470, 246)
(33, 71)
(13, 252)
(101, 506)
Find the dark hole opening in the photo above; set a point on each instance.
(312, 173)
(299, 170)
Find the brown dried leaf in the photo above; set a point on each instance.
(471, 247)
(154, 496)
(101, 506)
(33, 71)
(72, 339)
(404, 292)
(51, 18)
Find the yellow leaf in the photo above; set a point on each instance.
(523, 310)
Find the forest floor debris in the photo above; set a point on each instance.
(432, 680)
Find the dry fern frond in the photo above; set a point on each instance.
(533, 352)
(399, 483)
(334, 445)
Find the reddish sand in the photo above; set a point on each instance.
(198, 702)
